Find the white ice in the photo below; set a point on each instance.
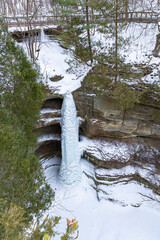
(70, 169)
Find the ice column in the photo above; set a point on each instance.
(43, 37)
(70, 171)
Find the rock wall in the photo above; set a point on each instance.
(123, 145)
(102, 117)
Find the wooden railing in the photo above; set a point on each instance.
(57, 19)
(140, 16)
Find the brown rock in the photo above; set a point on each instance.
(102, 117)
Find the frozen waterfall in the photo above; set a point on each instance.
(42, 36)
(70, 171)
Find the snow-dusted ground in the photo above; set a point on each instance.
(130, 216)
(142, 38)
(144, 5)
(55, 63)
(140, 43)
(107, 210)
(104, 220)
(54, 60)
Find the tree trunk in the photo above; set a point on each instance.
(126, 11)
(88, 32)
(116, 42)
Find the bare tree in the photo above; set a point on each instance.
(25, 13)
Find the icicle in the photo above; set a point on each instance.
(70, 171)
(43, 37)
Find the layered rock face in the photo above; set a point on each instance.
(125, 144)
(103, 118)
(48, 129)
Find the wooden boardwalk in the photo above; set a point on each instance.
(145, 17)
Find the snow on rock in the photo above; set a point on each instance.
(101, 220)
(124, 171)
(44, 122)
(104, 150)
(49, 110)
(104, 211)
(113, 150)
(55, 63)
(48, 137)
(54, 60)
